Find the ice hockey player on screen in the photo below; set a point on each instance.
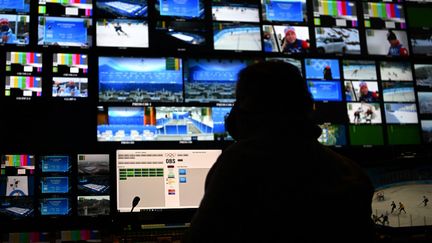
(265, 186)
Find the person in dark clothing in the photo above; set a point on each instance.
(396, 48)
(327, 72)
(393, 206)
(259, 191)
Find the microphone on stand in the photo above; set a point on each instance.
(135, 202)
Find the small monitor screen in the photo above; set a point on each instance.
(54, 184)
(93, 185)
(332, 134)
(70, 65)
(122, 33)
(366, 135)
(187, 9)
(17, 207)
(362, 91)
(234, 10)
(132, 79)
(403, 134)
(65, 31)
(22, 86)
(15, 29)
(364, 113)
(55, 163)
(70, 87)
(378, 43)
(55, 206)
(395, 71)
(93, 205)
(325, 90)
(93, 164)
(211, 80)
(15, 6)
(181, 35)
(219, 114)
(401, 113)
(337, 40)
(327, 69)
(236, 36)
(286, 39)
(73, 8)
(24, 63)
(335, 13)
(16, 186)
(425, 102)
(423, 75)
(284, 10)
(359, 70)
(380, 15)
(421, 41)
(17, 164)
(122, 8)
(426, 126)
(398, 92)
(162, 179)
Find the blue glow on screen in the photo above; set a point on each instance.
(325, 91)
(18, 5)
(183, 8)
(284, 11)
(55, 184)
(214, 70)
(55, 206)
(69, 30)
(55, 163)
(315, 68)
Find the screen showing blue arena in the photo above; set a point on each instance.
(181, 8)
(325, 91)
(284, 10)
(211, 80)
(123, 8)
(140, 79)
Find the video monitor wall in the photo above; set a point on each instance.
(104, 76)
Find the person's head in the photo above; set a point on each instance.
(290, 34)
(364, 88)
(4, 25)
(71, 84)
(260, 95)
(391, 37)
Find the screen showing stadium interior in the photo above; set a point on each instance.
(211, 80)
(240, 11)
(65, 31)
(17, 185)
(15, 29)
(15, 6)
(133, 79)
(180, 34)
(335, 13)
(162, 179)
(93, 184)
(284, 10)
(157, 123)
(74, 8)
(187, 9)
(122, 33)
(409, 185)
(70, 73)
(337, 40)
(379, 15)
(423, 75)
(236, 36)
(122, 8)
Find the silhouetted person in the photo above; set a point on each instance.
(425, 201)
(401, 208)
(260, 191)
